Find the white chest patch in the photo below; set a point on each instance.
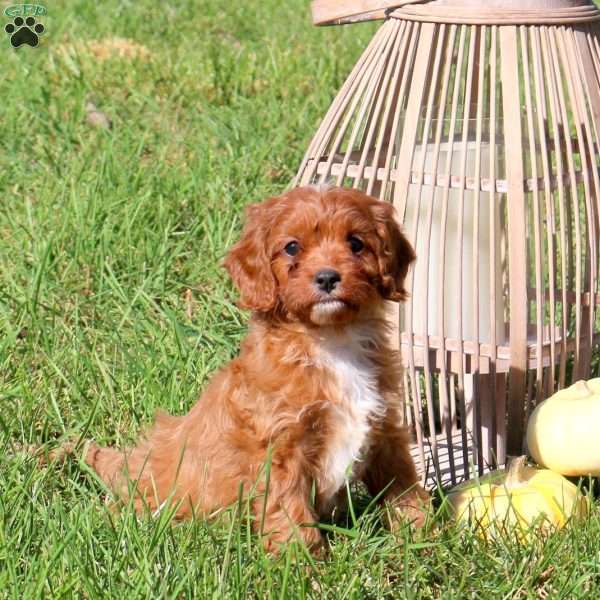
(359, 403)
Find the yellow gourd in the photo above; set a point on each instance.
(511, 501)
(563, 433)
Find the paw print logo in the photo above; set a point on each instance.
(24, 31)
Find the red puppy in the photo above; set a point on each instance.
(315, 387)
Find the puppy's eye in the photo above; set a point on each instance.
(292, 248)
(356, 245)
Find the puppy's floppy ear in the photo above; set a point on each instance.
(248, 263)
(395, 253)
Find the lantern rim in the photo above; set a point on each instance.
(500, 12)
(507, 5)
(482, 12)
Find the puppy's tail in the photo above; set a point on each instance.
(106, 462)
(133, 471)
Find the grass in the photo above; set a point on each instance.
(112, 304)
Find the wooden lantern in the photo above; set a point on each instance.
(480, 121)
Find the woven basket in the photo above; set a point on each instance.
(480, 121)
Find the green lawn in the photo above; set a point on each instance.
(112, 302)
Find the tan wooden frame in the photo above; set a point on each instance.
(498, 122)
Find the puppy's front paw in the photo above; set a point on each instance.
(413, 506)
(310, 536)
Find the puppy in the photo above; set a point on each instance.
(315, 390)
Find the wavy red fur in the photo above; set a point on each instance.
(316, 384)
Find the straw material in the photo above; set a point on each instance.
(507, 12)
(485, 137)
(334, 12)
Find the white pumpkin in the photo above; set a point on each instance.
(563, 433)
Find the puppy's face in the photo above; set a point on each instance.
(319, 256)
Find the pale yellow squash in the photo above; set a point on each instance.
(511, 501)
(563, 433)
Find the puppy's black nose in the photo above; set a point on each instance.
(327, 279)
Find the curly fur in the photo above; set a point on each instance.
(315, 387)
